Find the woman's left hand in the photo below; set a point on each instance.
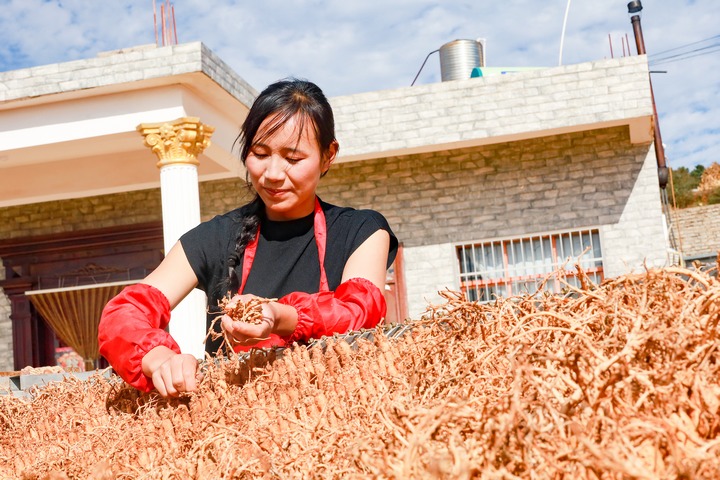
(243, 333)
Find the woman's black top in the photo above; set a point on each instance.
(286, 259)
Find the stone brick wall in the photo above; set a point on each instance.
(697, 231)
(80, 214)
(429, 269)
(639, 236)
(122, 66)
(545, 184)
(111, 210)
(435, 200)
(484, 110)
(579, 180)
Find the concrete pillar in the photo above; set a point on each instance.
(177, 145)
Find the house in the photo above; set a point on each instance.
(696, 231)
(489, 183)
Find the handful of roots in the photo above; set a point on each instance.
(618, 380)
(248, 312)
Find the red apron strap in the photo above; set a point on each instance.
(320, 228)
(321, 240)
(249, 258)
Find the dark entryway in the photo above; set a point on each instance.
(73, 259)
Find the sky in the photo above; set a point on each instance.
(353, 46)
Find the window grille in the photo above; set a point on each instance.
(519, 266)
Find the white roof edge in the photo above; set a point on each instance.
(125, 66)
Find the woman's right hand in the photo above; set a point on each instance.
(172, 373)
(243, 333)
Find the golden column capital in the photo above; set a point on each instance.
(178, 141)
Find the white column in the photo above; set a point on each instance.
(181, 212)
(177, 145)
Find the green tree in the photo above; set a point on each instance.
(684, 184)
(697, 172)
(714, 197)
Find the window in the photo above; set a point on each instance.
(518, 266)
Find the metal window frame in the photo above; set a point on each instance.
(481, 281)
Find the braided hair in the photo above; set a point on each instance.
(279, 102)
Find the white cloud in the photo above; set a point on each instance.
(37, 32)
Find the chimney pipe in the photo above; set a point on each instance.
(634, 9)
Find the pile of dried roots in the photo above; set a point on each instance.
(620, 380)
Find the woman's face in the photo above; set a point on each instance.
(285, 168)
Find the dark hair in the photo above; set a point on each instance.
(284, 100)
(280, 101)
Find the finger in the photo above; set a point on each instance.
(254, 340)
(189, 373)
(227, 324)
(235, 330)
(243, 330)
(244, 298)
(170, 387)
(159, 383)
(177, 376)
(232, 336)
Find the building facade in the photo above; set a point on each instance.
(696, 230)
(489, 183)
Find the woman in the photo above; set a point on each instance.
(324, 264)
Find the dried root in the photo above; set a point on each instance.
(248, 312)
(618, 380)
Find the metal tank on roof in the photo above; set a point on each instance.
(459, 57)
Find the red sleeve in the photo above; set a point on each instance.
(131, 325)
(356, 304)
